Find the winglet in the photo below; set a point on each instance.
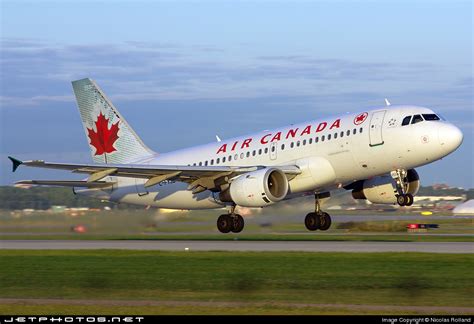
(218, 138)
(16, 163)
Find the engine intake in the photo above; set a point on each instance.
(257, 188)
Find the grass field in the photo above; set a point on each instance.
(155, 225)
(318, 236)
(135, 282)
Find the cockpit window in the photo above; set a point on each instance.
(417, 119)
(406, 120)
(430, 117)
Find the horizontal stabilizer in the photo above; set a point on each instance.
(16, 163)
(97, 184)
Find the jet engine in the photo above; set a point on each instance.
(383, 189)
(257, 188)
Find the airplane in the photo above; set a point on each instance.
(372, 153)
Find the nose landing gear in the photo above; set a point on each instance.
(405, 199)
(400, 177)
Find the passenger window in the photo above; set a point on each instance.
(218, 160)
(241, 156)
(304, 142)
(282, 147)
(310, 141)
(430, 117)
(292, 144)
(254, 153)
(298, 143)
(223, 159)
(417, 119)
(266, 150)
(316, 140)
(200, 163)
(406, 121)
(259, 151)
(360, 130)
(212, 162)
(273, 148)
(342, 134)
(348, 132)
(248, 154)
(236, 156)
(205, 163)
(322, 138)
(230, 158)
(335, 135)
(354, 131)
(329, 137)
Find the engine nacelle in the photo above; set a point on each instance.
(257, 188)
(383, 189)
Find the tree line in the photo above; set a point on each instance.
(12, 198)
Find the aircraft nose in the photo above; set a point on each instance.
(450, 137)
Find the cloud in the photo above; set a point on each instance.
(35, 72)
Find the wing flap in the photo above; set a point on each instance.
(67, 183)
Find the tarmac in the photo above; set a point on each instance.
(254, 246)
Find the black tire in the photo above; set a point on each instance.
(312, 221)
(401, 200)
(224, 223)
(237, 223)
(325, 222)
(409, 198)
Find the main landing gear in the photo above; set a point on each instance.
(319, 219)
(403, 198)
(230, 222)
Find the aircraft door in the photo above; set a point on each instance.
(140, 187)
(375, 130)
(273, 151)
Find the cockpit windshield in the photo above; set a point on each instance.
(406, 120)
(430, 117)
(419, 118)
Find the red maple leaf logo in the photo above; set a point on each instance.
(104, 139)
(360, 118)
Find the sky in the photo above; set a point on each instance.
(183, 71)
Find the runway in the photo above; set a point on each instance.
(255, 246)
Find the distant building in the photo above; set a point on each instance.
(440, 186)
(465, 208)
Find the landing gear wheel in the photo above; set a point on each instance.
(325, 220)
(237, 223)
(409, 199)
(402, 200)
(312, 221)
(225, 223)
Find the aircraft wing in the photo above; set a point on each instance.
(68, 183)
(200, 178)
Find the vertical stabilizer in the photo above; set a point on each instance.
(110, 137)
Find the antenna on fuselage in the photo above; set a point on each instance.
(387, 103)
(218, 138)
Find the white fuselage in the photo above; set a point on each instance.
(330, 152)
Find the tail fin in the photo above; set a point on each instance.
(110, 137)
